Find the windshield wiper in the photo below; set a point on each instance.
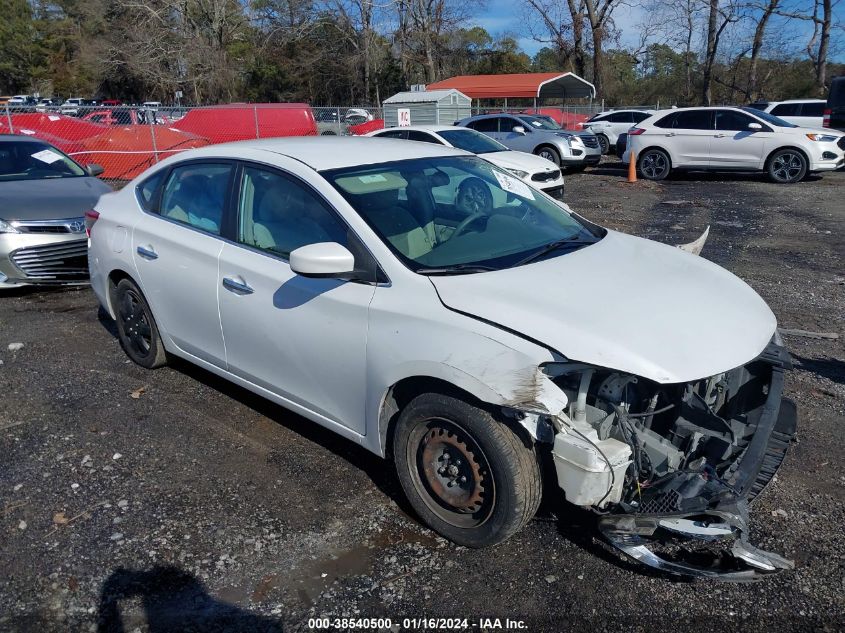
(455, 269)
(552, 246)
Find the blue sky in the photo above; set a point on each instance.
(506, 17)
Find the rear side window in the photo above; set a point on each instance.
(667, 121)
(147, 191)
(640, 116)
(196, 195)
(392, 134)
(812, 109)
(694, 120)
(485, 125)
(416, 135)
(620, 117)
(787, 109)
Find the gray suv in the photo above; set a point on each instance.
(570, 149)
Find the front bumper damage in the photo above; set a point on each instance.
(690, 518)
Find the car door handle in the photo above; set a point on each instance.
(670, 134)
(237, 285)
(719, 135)
(147, 252)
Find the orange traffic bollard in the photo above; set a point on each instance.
(632, 167)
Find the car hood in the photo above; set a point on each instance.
(624, 303)
(801, 131)
(49, 199)
(519, 160)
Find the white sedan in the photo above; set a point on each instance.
(534, 170)
(478, 343)
(731, 139)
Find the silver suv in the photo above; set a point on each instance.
(570, 149)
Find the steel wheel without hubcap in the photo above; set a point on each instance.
(452, 474)
(787, 166)
(654, 165)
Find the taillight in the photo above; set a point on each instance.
(635, 131)
(90, 217)
(826, 118)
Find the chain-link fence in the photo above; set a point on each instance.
(125, 140)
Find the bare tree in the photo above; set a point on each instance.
(719, 17)
(818, 47)
(558, 29)
(768, 9)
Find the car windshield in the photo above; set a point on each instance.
(453, 215)
(769, 118)
(472, 141)
(25, 160)
(541, 123)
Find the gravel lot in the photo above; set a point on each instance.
(172, 501)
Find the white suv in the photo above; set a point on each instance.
(801, 112)
(607, 126)
(731, 139)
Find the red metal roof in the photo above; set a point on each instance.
(525, 85)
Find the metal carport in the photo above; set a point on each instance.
(536, 86)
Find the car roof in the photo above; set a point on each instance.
(426, 128)
(808, 100)
(331, 152)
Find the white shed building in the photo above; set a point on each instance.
(433, 107)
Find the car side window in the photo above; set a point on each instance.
(694, 120)
(392, 134)
(732, 121)
(620, 117)
(196, 195)
(147, 191)
(639, 116)
(485, 125)
(787, 109)
(812, 109)
(667, 121)
(278, 214)
(416, 135)
(507, 124)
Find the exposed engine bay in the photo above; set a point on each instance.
(674, 463)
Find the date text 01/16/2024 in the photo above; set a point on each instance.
(416, 624)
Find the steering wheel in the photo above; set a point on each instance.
(459, 230)
(473, 196)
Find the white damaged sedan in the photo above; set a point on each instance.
(435, 309)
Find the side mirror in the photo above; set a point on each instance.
(324, 259)
(94, 169)
(753, 126)
(518, 129)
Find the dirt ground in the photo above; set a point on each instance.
(171, 501)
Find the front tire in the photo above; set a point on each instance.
(787, 166)
(136, 327)
(468, 476)
(654, 164)
(604, 143)
(549, 153)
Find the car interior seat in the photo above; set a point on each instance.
(401, 228)
(287, 218)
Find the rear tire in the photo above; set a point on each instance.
(787, 166)
(468, 476)
(549, 153)
(136, 327)
(654, 164)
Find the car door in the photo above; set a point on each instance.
(520, 141)
(302, 339)
(619, 123)
(175, 249)
(487, 125)
(688, 140)
(734, 144)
